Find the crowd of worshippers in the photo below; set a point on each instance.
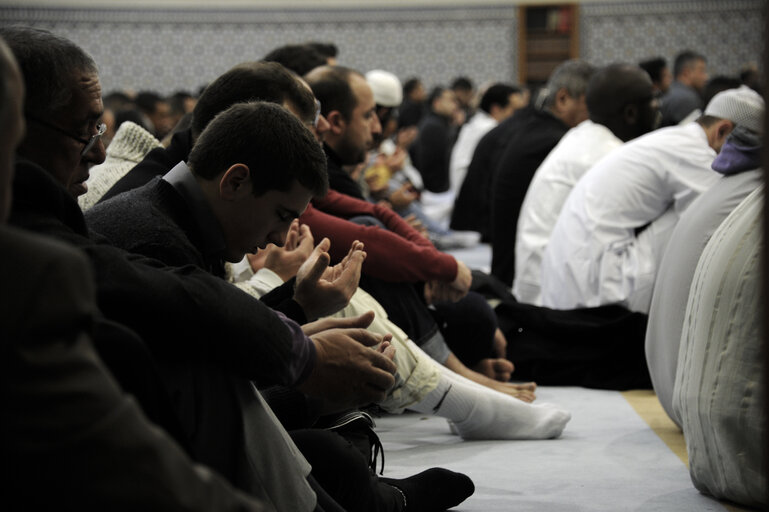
(207, 298)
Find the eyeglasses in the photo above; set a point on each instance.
(88, 143)
(317, 114)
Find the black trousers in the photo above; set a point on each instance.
(467, 326)
(343, 474)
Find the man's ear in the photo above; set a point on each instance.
(630, 113)
(336, 121)
(725, 128)
(234, 182)
(562, 98)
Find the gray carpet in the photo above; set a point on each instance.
(608, 459)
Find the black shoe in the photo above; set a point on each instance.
(433, 490)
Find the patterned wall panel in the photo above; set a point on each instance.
(166, 50)
(728, 33)
(170, 49)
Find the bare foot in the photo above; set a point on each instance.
(497, 369)
(531, 386)
(523, 391)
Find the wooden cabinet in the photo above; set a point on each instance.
(548, 35)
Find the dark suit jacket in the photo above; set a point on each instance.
(70, 439)
(431, 152)
(532, 135)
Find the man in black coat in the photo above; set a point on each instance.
(69, 433)
(531, 134)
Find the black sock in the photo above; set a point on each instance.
(433, 490)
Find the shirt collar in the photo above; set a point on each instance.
(185, 184)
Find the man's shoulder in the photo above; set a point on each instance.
(27, 246)
(139, 214)
(29, 257)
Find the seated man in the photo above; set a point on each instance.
(610, 235)
(67, 427)
(739, 162)
(498, 103)
(403, 270)
(236, 193)
(683, 99)
(621, 106)
(431, 150)
(531, 134)
(719, 392)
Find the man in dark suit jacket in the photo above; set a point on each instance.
(70, 437)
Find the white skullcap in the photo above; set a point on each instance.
(742, 106)
(388, 91)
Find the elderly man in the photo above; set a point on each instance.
(67, 427)
(610, 235)
(206, 334)
(621, 105)
(534, 132)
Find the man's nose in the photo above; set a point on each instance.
(97, 154)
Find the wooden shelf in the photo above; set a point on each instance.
(548, 35)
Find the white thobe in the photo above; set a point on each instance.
(594, 256)
(575, 153)
(462, 152)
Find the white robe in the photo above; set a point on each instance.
(576, 152)
(594, 256)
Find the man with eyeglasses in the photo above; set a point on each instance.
(73, 132)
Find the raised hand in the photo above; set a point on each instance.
(285, 261)
(322, 290)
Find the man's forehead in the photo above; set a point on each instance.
(363, 92)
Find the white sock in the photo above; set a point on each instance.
(478, 412)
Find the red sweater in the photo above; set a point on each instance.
(398, 253)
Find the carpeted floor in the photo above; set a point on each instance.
(611, 457)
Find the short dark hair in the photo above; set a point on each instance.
(410, 84)
(706, 121)
(117, 101)
(132, 115)
(252, 81)
(331, 86)
(613, 87)
(48, 64)
(147, 101)
(271, 141)
(299, 58)
(328, 50)
(435, 93)
(462, 82)
(717, 84)
(497, 94)
(176, 101)
(685, 59)
(654, 67)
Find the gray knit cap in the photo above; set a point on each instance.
(742, 106)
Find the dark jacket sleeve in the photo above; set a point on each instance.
(68, 433)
